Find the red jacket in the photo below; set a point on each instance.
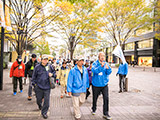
(17, 70)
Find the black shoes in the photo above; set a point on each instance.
(45, 116)
(120, 91)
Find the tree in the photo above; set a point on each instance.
(121, 18)
(157, 18)
(78, 24)
(28, 22)
(42, 47)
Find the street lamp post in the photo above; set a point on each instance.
(2, 49)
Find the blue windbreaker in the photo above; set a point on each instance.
(123, 69)
(40, 77)
(100, 74)
(77, 83)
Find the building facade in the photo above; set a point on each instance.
(143, 50)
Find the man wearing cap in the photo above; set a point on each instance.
(77, 84)
(101, 71)
(29, 67)
(17, 72)
(41, 83)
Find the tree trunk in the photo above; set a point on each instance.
(71, 54)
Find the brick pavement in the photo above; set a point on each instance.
(141, 102)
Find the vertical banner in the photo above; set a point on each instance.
(2, 19)
(7, 18)
(118, 52)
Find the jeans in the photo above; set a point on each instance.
(122, 79)
(30, 88)
(43, 94)
(96, 92)
(15, 80)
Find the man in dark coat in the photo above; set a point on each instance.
(41, 83)
(29, 71)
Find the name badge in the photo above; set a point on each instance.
(20, 67)
(100, 73)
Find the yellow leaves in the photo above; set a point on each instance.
(65, 6)
(100, 30)
(73, 21)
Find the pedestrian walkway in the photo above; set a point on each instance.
(141, 102)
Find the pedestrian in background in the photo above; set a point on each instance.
(101, 71)
(62, 76)
(77, 84)
(41, 83)
(89, 69)
(87, 64)
(17, 72)
(122, 72)
(29, 67)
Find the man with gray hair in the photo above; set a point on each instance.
(101, 71)
(41, 83)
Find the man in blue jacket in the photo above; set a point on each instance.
(77, 84)
(40, 81)
(101, 71)
(122, 72)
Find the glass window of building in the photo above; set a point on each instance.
(145, 44)
(129, 46)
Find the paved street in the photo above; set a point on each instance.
(141, 102)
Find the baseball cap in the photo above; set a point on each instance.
(19, 57)
(80, 58)
(44, 57)
(33, 55)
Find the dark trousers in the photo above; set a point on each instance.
(87, 92)
(96, 92)
(15, 81)
(43, 94)
(30, 87)
(122, 79)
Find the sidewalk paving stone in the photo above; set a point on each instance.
(141, 102)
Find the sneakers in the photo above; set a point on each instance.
(77, 118)
(45, 116)
(93, 113)
(29, 98)
(61, 96)
(107, 117)
(21, 91)
(14, 93)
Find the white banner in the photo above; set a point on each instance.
(118, 52)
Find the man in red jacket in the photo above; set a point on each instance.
(17, 72)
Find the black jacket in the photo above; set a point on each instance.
(41, 77)
(28, 67)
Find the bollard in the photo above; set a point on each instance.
(126, 85)
(154, 69)
(144, 69)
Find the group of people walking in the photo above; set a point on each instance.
(75, 80)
